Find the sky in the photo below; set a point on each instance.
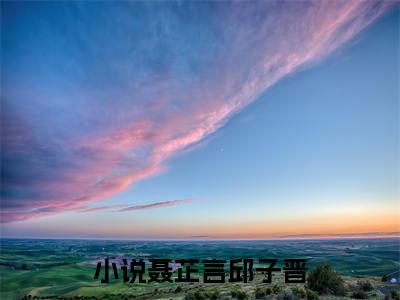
(199, 120)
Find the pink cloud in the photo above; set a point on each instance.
(119, 133)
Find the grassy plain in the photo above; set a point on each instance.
(65, 268)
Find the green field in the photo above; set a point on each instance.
(65, 268)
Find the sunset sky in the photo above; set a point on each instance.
(220, 120)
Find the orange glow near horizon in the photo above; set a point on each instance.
(333, 225)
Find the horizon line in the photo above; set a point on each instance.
(208, 239)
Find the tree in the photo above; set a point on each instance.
(324, 280)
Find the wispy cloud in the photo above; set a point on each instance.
(121, 208)
(90, 109)
(98, 208)
(157, 205)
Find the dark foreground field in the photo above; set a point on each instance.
(65, 268)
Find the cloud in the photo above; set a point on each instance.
(98, 208)
(157, 205)
(135, 207)
(97, 96)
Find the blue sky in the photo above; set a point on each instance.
(307, 145)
